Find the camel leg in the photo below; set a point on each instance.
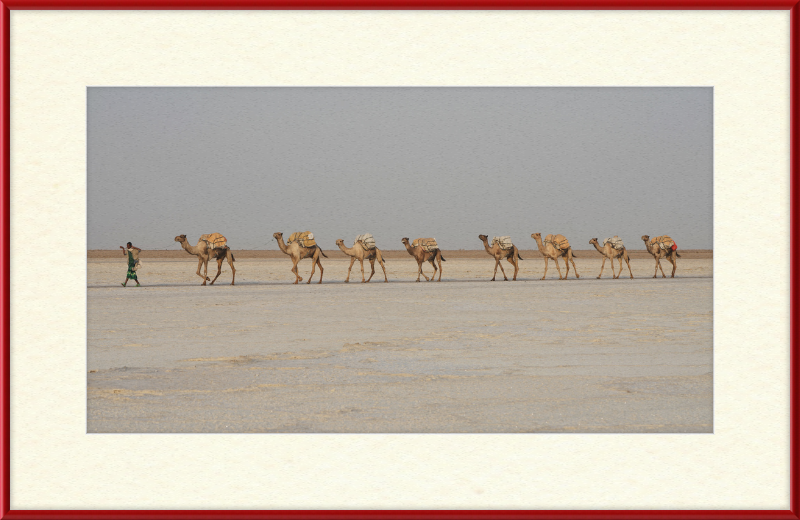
(319, 263)
(569, 257)
(674, 263)
(297, 277)
(602, 266)
(199, 265)
(501, 270)
(229, 256)
(658, 264)
(372, 265)
(496, 263)
(434, 270)
(362, 270)
(313, 269)
(439, 259)
(420, 272)
(386, 278)
(513, 261)
(352, 261)
(559, 269)
(219, 270)
(545, 267)
(628, 261)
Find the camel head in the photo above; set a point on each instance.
(645, 237)
(405, 240)
(593, 241)
(277, 236)
(483, 237)
(536, 235)
(340, 242)
(180, 238)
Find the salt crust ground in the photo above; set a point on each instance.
(463, 355)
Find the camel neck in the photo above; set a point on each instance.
(282, 246)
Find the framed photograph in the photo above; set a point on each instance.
(209, 160)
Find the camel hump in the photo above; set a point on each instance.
(367, 239)
(214, 240)
(304, 238)
(504, 241)
(427, 244)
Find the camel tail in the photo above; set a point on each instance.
(322, 252)
(443, 260)
(520, 256)
(678, 255)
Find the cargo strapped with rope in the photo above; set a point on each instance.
(427, 244)
(505, 242)
(214, 240)
(665, 243)
(303, 238)
(367, 240)
(558, 241)
(615, 242)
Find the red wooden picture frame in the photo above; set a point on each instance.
(5, 43)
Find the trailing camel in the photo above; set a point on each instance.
(498, 253)
(204, 254)
(654, 249)
(421, 256)
(608, 251)
(298, 252)
(360, 252)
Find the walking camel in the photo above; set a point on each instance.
(203, 255)
(360, 253)
(609, 252)
(512, 255)
(298, 252)
(658, 253)
(421, 256)
(550, 252)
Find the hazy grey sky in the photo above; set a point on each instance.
(445, 162)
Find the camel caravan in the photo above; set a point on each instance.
(302, 245)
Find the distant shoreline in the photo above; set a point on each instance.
(526, 254)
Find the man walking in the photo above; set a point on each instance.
(133, 263)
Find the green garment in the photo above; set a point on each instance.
(131, 267)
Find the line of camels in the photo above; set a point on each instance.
(360, 252)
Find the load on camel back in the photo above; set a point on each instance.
(505, 242)
(560, 242)
(367, 239)
(214, 240)
(615, 241)
(665, 243)
(427, 244)
(304, 238)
